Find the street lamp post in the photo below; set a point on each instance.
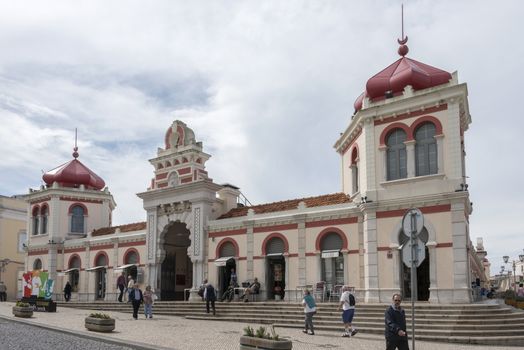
(514, 265)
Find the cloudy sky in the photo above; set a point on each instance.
(266, 85)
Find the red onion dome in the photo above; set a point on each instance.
(74, 174)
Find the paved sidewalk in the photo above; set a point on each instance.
(179, 333)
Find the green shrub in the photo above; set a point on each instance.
(22, 304)
(100, 315)
(262, 332)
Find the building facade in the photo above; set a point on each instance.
(404, 147)
(13, 238)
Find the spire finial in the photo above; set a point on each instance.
(403, 49)
(75, 150)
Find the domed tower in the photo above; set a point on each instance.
(403, 148)
(73, 202)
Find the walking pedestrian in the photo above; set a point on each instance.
(130, 285)
(395, 320)
(3, 291)
(310, 308)
(347, 305)
(137, 298)
(148, 302)
(67, 291)
(121, 285)
(210, 296)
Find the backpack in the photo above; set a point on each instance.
(351, 300)
(210, 292)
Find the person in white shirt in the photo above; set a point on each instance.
(347, 305)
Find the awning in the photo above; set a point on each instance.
(96, 268)
(71, 270)
(222, 261)
(330, 253)
(123, 267)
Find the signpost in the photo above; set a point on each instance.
(413, 253)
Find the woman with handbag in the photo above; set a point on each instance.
(310, 308)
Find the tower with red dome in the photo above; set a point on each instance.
(73, 202)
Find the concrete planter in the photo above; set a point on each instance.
(100, 324)
(247, 343)
(23, 311)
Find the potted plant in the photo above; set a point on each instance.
(22, 309)
(263, 340)
(510, 297)
(100, 322)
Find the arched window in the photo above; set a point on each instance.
(396, 155)
(227, 249)
(44, 213)
(426, 150)
(35, 220)
(354, 170)
(101, 260)
(74, 275)
(332, 260)
(77, 219)
(275, 246)
(131, 257)
(37, 264)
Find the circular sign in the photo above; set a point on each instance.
(412, 222)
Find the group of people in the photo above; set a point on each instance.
(394, 318)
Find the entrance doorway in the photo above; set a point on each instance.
(176, 269)
(100, 275)
(423, 283)
(275, 268)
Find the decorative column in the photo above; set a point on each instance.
(371, 254)
(250, 249)
(410, 155)
(440, 153)
(151, 247)
(197, 247)
(301, 237)
(113, 289)
(87, 265)
(460, 270)
(433, 286)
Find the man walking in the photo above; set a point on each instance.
(210, 296)
(121, 285)
(395, 319)
(137, 298)
(347, 305)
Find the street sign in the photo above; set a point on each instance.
(412, 222)
(407, 253)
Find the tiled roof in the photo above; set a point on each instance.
(123, 228)
(328, 199)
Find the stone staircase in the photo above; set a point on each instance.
(486, 324)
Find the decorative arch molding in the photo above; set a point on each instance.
(354, 154)
(426, 119)
(72, 258)
(36, 210)
(393, 126)
(70, 210)
(101, 253)
(129, 251)
(275, 235)
(224, 241)
(327, 231)
(163, 223)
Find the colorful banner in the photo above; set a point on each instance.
(38, 284)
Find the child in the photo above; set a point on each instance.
(148, 302)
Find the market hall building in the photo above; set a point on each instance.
(404, 147)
